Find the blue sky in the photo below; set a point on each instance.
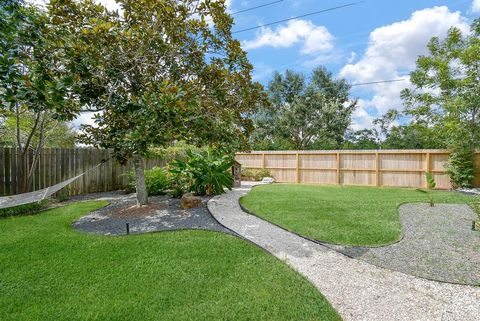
(370, 41)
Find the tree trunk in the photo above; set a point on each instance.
(142, 196)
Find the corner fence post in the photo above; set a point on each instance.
(339, 180)
(297, 170)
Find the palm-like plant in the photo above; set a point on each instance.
(205, 173)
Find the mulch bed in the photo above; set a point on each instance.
(163, 213)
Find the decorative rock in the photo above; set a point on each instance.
(268, 180)
(190, 201)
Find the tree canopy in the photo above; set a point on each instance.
(305, 114)
(35, 89)
(446, 90)
(156, 72)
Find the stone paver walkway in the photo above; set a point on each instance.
(356, 289)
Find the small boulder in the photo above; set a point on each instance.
(189, 201)
(268, 180)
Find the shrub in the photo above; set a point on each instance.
(255, 174)
(27, 209)
(204, 173)
(156, 179)
(461, 168)
(62, 195)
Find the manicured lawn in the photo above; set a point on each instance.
(48, 271)
(342, 215)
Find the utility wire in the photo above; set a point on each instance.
(257, 7)
(378, 82)
(301, 16)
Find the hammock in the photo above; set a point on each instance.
(40, 195)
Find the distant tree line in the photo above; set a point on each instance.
(442, 110)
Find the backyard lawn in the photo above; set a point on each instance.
(342, 215)
(48, 271)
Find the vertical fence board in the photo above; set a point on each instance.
(8, 160)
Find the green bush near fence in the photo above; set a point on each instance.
(251, 174)
(21, 210)
(157, 180)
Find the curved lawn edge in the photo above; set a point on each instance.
(182, 274)
(294, 224)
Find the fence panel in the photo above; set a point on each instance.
(58, 164)
(395, 168)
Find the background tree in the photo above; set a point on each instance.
(53, 133)
(361, 139)
(415, 135)
(447, 87)
(304, 115)
(447, 95)
(157, 72)
(34, 90)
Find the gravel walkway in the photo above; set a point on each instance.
(167, 216)
(438, 243)
(356, 289)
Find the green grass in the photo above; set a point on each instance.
(48, 271)
(343, 215)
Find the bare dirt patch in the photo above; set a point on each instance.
(138, 211)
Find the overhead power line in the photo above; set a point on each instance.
(256, 7)
(379, 82)
(301, 16)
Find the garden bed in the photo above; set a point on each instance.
(163, 213)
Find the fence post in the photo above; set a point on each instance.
(263, 160)
(377, 169)
(298, 170)
(338, 169)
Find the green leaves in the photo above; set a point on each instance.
(461, 168)
(158, 74)
(205, 173)
(306, 115)
(447, 87)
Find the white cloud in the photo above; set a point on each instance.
(476, 6)
(315, 39)
(361, 118)
(352, 57)
(83, 119)
(392, 53)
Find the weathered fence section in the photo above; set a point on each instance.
(58, 164)
(403, 168)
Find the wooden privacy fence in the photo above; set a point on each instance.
(402, 168)
(58, 164)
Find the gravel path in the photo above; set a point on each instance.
(356, 289)
(167, 216)
(438, 243)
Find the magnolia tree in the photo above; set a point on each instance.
(157, 71)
